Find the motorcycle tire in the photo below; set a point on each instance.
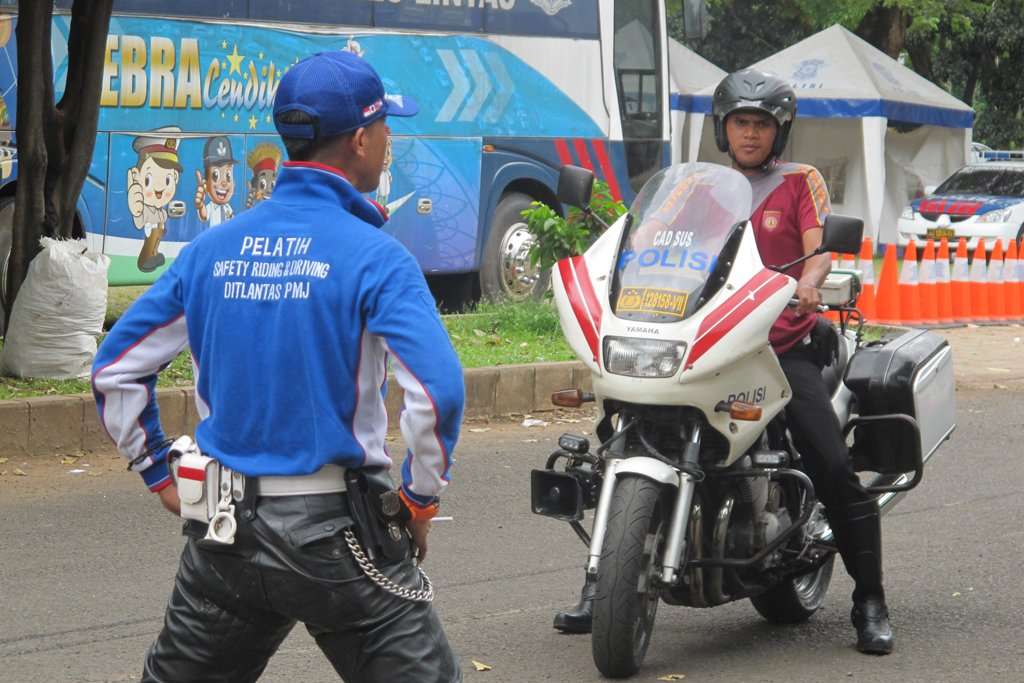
(794, 600)
(626, 599)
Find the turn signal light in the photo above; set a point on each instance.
(571, 398)
(740, 410)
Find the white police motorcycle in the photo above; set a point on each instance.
(698, 492)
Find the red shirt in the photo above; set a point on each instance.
(791, 199)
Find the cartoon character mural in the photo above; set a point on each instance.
(263, 161)
(217, 181)
(151, 186)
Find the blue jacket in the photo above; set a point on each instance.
(291, 311)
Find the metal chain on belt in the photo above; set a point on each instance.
(425, 594)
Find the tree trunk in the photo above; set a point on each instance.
(55, 143)
(885, 28)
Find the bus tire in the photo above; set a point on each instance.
(6, 237)
(505, 270)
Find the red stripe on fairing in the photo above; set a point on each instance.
(581, 152)
(737, 307)
(716, 316)
(576, 302)
(587, 288)
(193, 473)
(563, 152)
(606, 169)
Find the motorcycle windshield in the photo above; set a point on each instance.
(677, 227)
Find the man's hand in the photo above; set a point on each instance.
(171, 501)
(419, 531)
(809, 298)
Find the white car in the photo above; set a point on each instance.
(981, 200)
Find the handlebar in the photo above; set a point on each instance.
(793, 303)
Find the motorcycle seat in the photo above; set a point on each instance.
(832, 375)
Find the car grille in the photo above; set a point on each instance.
(953, 218)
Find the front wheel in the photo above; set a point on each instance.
(627, 597)
(794, 600)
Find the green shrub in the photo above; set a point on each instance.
(556, 237)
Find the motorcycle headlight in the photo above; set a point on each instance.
(908, 213)
(997, 216)
(642, 357)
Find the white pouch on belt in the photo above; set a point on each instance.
(198, 480)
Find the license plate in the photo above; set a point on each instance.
(939, 233)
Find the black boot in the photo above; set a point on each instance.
(579, 618)
(870, 616)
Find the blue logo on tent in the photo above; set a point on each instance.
(807, 70)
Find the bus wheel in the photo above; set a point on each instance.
(6, 236)
(506, 273)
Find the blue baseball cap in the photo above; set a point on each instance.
(340, 90)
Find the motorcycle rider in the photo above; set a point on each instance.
(753, 113)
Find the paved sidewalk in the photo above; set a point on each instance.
(987, 357)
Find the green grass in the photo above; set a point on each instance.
(505, 335)
(177, 374)
(491, 335)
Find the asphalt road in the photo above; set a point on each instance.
(87, 560)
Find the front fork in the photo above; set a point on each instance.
(683, 479)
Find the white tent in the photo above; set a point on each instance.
(689, 74)
(877, 131)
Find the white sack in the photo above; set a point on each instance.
(58, 314)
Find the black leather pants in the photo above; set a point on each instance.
(232, 606)
(852, 511)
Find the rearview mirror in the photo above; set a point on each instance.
(575, 186)
(842, 234)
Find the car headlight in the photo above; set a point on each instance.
(908, 213)
(635, 357)
(997, 216)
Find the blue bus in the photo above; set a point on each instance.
(509, 90)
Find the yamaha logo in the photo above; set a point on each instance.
(552, 7)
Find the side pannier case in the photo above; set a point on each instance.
(909, 375)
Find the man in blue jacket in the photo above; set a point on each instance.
(291, 311)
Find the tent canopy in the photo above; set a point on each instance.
(689, 73)
(836, 74)
(878, 131)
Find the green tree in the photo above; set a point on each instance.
(973, 49)
(55, 139)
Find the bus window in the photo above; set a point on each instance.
(639, 80)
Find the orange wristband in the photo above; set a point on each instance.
(418, 513)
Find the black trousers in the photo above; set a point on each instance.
(816, 433)
(852, 512)
(232, 606)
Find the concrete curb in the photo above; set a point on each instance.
(68, 425)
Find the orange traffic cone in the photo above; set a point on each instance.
(929, 297)
(996, 289)
(943, 287)
(960, 285)
(979, 284)
(848, 261)
(1011, 276)
(866, 301)
(910, 294)
(888, 300)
